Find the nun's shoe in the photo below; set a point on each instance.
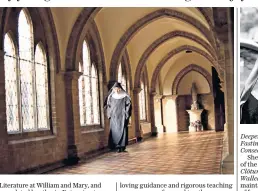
(119, 151)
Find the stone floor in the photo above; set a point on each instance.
(175, 153)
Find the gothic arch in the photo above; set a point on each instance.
(49, 30)
(163, 39)
(126, 61)
(91, 34)
(183, 72)
(207, 13)
(45, 34)
(176, 51)
(77, 32)
(91, 12)
(148, 19)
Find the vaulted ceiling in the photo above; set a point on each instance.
(162, 33)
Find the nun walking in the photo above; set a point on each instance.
(118, 106)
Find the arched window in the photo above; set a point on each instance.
(11, 88)
(25, 30)
(26, 78)
(41, 70)
(88, 90)
(142, 100)
(95, 95)
(122, 77)
(81, 97)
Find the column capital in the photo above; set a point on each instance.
(137, 90)
(159, 97)
(105, 83)
(72, 75)
(153, 93)
(169, 97)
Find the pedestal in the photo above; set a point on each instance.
(194, 115)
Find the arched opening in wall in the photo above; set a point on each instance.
(201, 80)
(89, 73)
(184, 100)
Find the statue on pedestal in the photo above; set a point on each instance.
(195, 112)
(194, 105)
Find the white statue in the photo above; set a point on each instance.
(195, 105)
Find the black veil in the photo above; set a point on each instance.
(110, 92)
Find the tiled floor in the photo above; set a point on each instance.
(177, 153)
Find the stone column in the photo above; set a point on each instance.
(223, 19)
(136, 92)
(72, 116)
(5, 165)
(152, 114)
(228, 162)
(229, 113)
(104, 119)
(131, 126)
(170, 115)
(158, 113)
(226, 36)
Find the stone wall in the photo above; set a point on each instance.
(26, 153)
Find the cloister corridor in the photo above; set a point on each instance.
(171, 153)
(58, 67)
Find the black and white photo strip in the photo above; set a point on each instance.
(122, 90)
(249, 65)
